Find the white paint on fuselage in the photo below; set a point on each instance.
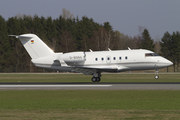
(121, 60)
(90, 63)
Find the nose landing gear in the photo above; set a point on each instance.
(156, 76)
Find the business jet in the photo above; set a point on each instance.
(92, 62)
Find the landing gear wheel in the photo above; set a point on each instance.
(93, 79)
(156, 77)
(156, 72)
(98, 79)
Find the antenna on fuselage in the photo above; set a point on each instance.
(129, 48)
(90, 50)
(109, 49)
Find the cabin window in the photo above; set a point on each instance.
(119, 58)
(102, 59)
(126, 57)
(108, 58)
(96, 59)
(114, 58)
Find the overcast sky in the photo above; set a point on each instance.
(158, 16)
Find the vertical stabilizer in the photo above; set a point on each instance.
(34, 46)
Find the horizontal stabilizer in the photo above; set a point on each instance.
(20, 36)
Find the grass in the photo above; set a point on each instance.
(90, 105)
(86, 78)
(86, 99)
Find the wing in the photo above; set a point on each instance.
(89, 70)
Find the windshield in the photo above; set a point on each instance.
(151, 54)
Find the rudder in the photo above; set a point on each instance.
(34, 46)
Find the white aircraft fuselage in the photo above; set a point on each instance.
(91, 63)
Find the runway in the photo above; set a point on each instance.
(90, 86)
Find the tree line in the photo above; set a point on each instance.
(67, 33)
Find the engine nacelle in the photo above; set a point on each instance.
(74, 58)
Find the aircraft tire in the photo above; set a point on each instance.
(94, 79)
(156, 77)
(98, 79)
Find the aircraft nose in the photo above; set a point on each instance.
(163, 62)
(167, 62)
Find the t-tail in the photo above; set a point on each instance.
(41, 54)
(34, 46)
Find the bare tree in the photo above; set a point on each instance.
(157, 47)
(141, 29)
(21, 16)
(101, 39)
(67, 43)
(124, 41)
(66, 14)
(137, 41)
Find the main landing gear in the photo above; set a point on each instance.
(96, 77)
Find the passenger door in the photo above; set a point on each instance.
(108, 59)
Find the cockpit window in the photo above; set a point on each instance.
(154, 54)
(151, 54)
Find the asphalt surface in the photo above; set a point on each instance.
(92, 86)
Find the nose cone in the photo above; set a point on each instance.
(169, 63)
(164, 62)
